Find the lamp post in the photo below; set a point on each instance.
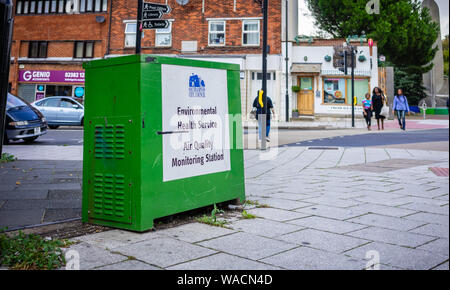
(287, 62)
(263, 116)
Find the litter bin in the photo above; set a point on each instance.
(161, 136)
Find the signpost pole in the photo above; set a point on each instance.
(6, 22)
(353, 86)
(287, 62)
(264, 78)
(138, 27)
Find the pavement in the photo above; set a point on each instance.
(339, 207)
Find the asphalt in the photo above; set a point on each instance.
(379, 139)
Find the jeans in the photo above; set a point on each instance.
(401, 119)
(267, 129)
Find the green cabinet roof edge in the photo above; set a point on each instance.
(146, 58)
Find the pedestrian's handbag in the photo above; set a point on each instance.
(253, 113)
(385, 109)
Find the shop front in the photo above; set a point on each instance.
(38, 84)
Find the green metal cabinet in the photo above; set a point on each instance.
(125, 182)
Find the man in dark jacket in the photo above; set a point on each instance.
(259, 111)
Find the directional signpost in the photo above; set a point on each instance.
(149, 16)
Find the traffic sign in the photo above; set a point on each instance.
(156, 7)
(155, 24)
(147, 15)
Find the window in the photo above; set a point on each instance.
(250, 32)
(59, 6)
(334, 90)
(83, 49)
(51, 103)
(216, 33)
(37, 49)
(259, 76)
(130, 35)
(163, 37)
(66, 103)
(361, 89)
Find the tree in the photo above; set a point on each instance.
(411, 84)
(445, 52)
(404, 30)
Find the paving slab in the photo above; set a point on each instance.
(305, 258)
(195, 232)
(440, 246)
(427, 208)
(406, 239)
(164, 252)
(92, 256)
(17, 218)
(129, 265)
(332, 212)
(323, 240)
(387, 222)
(223, 261)
(264, 227)
(277, 214)
(328, 225)
(429, 218)
(248, 245)
(401, 257)
(434, 230)
(383, 210)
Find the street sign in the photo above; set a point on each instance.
(156, 7)
(155, 24)
(147, 15)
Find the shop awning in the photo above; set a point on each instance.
(312, 68)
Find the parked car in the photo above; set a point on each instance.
(23, 121)
(61, 111)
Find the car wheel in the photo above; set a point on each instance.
(82, 122)
(30, 140)
(53, 126)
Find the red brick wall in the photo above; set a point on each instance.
(191, 24)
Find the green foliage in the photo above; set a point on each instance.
(6, 157)
(31, 252)
(405, 32)
(247, 215)
(411, 83)
(445, 52)
(212, 219)
(295, 89)
(255, 203)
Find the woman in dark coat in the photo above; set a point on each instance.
(378, 101)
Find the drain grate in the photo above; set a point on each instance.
(439, 171)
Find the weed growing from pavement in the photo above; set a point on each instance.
(31, 252)
(246, 215)
(255, 203)
(6, 157)
(212, 219)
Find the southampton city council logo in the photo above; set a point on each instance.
(197, 88)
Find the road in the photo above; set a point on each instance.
(62, 137)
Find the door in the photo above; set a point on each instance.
(69, 112)
(305, 97)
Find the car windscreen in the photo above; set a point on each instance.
(13, 102)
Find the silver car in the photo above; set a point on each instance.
(61, 111)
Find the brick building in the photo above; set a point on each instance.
(49, 45)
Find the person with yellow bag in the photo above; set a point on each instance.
(258, 104)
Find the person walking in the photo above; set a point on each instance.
(378, 101)
(400, 107)
(259, 111)
(367, 111)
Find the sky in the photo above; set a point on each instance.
(307, 27)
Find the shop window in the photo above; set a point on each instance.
(216, 33)
(163, 37)
(37, 49)
(55, 90)
(361, 89)
(334, 90)
(84, 49)
(250, 32)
